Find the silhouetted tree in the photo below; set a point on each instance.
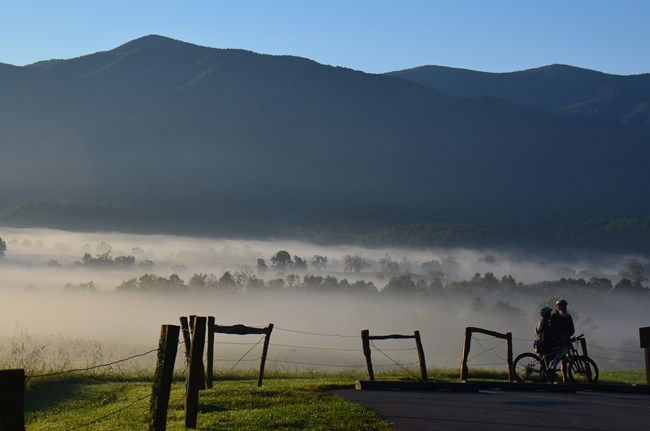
(3, 247)
(198, 281)
(299, 263)
(627, 285)
(281, 260)
(388, 265)
(275, 284)
(507, 282)
(81, 287)
(401, 284)
(124, 261)
(318, 262)
(354, 263)
(293, 281)
(254, 284)
(600, 283)
(261, 266)
(227, 282)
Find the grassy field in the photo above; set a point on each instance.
(286, 401)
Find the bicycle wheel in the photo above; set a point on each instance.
(582, 369)
(529, 368)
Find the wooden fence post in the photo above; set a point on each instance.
(647, 365)
(265, 350)
(209, 370)
(644, 338)
(12, 400)
(191, 329)
(466, 346)
(186, 337)
(423, 364)
(583, 347)
(511, 374)
(162, 384)
(195, 374)
(365, 342)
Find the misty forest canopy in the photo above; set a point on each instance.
(158, 135)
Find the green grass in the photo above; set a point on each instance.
(286, 401)
(623, 377)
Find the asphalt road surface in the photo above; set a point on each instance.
(506, 410)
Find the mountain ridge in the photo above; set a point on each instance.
(204, 137)
(556, 88)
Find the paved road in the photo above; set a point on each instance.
(506, 410)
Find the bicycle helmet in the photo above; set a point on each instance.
(561, 302)
(545, 311)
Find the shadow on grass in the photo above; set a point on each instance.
(47, 394)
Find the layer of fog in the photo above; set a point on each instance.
(35, 306)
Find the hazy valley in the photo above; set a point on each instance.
(436, 291)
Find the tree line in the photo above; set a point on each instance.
(406, 284)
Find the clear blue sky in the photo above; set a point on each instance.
(369, 35)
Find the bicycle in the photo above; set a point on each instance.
(533, 368)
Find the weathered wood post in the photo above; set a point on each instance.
(187, 337)
(511, 374)
(195, 374)
(647, 365)
(466, 346)
(12, 400)
(162, 384)
(209, 370)
(583, 347)
(203, 384)
(365, 342)
(265, 350)
(423, 364)
(644, 336)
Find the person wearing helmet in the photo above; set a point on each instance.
(543, 335)
(562, 328)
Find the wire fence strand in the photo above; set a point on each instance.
(56, 373)
(393, 360)
(332, 349)
(313, 364)
(249, 350)
(316, 333)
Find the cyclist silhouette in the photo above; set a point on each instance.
(543, 335)
(561, 324)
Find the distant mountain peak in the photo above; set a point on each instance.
(157, 43)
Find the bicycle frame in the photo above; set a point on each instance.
(556, 355)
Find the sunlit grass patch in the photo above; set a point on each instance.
(295, 402)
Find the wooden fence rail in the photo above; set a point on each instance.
(468, 344)
(239, 330)
(365, 342)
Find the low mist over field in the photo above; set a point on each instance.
(59, 288)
